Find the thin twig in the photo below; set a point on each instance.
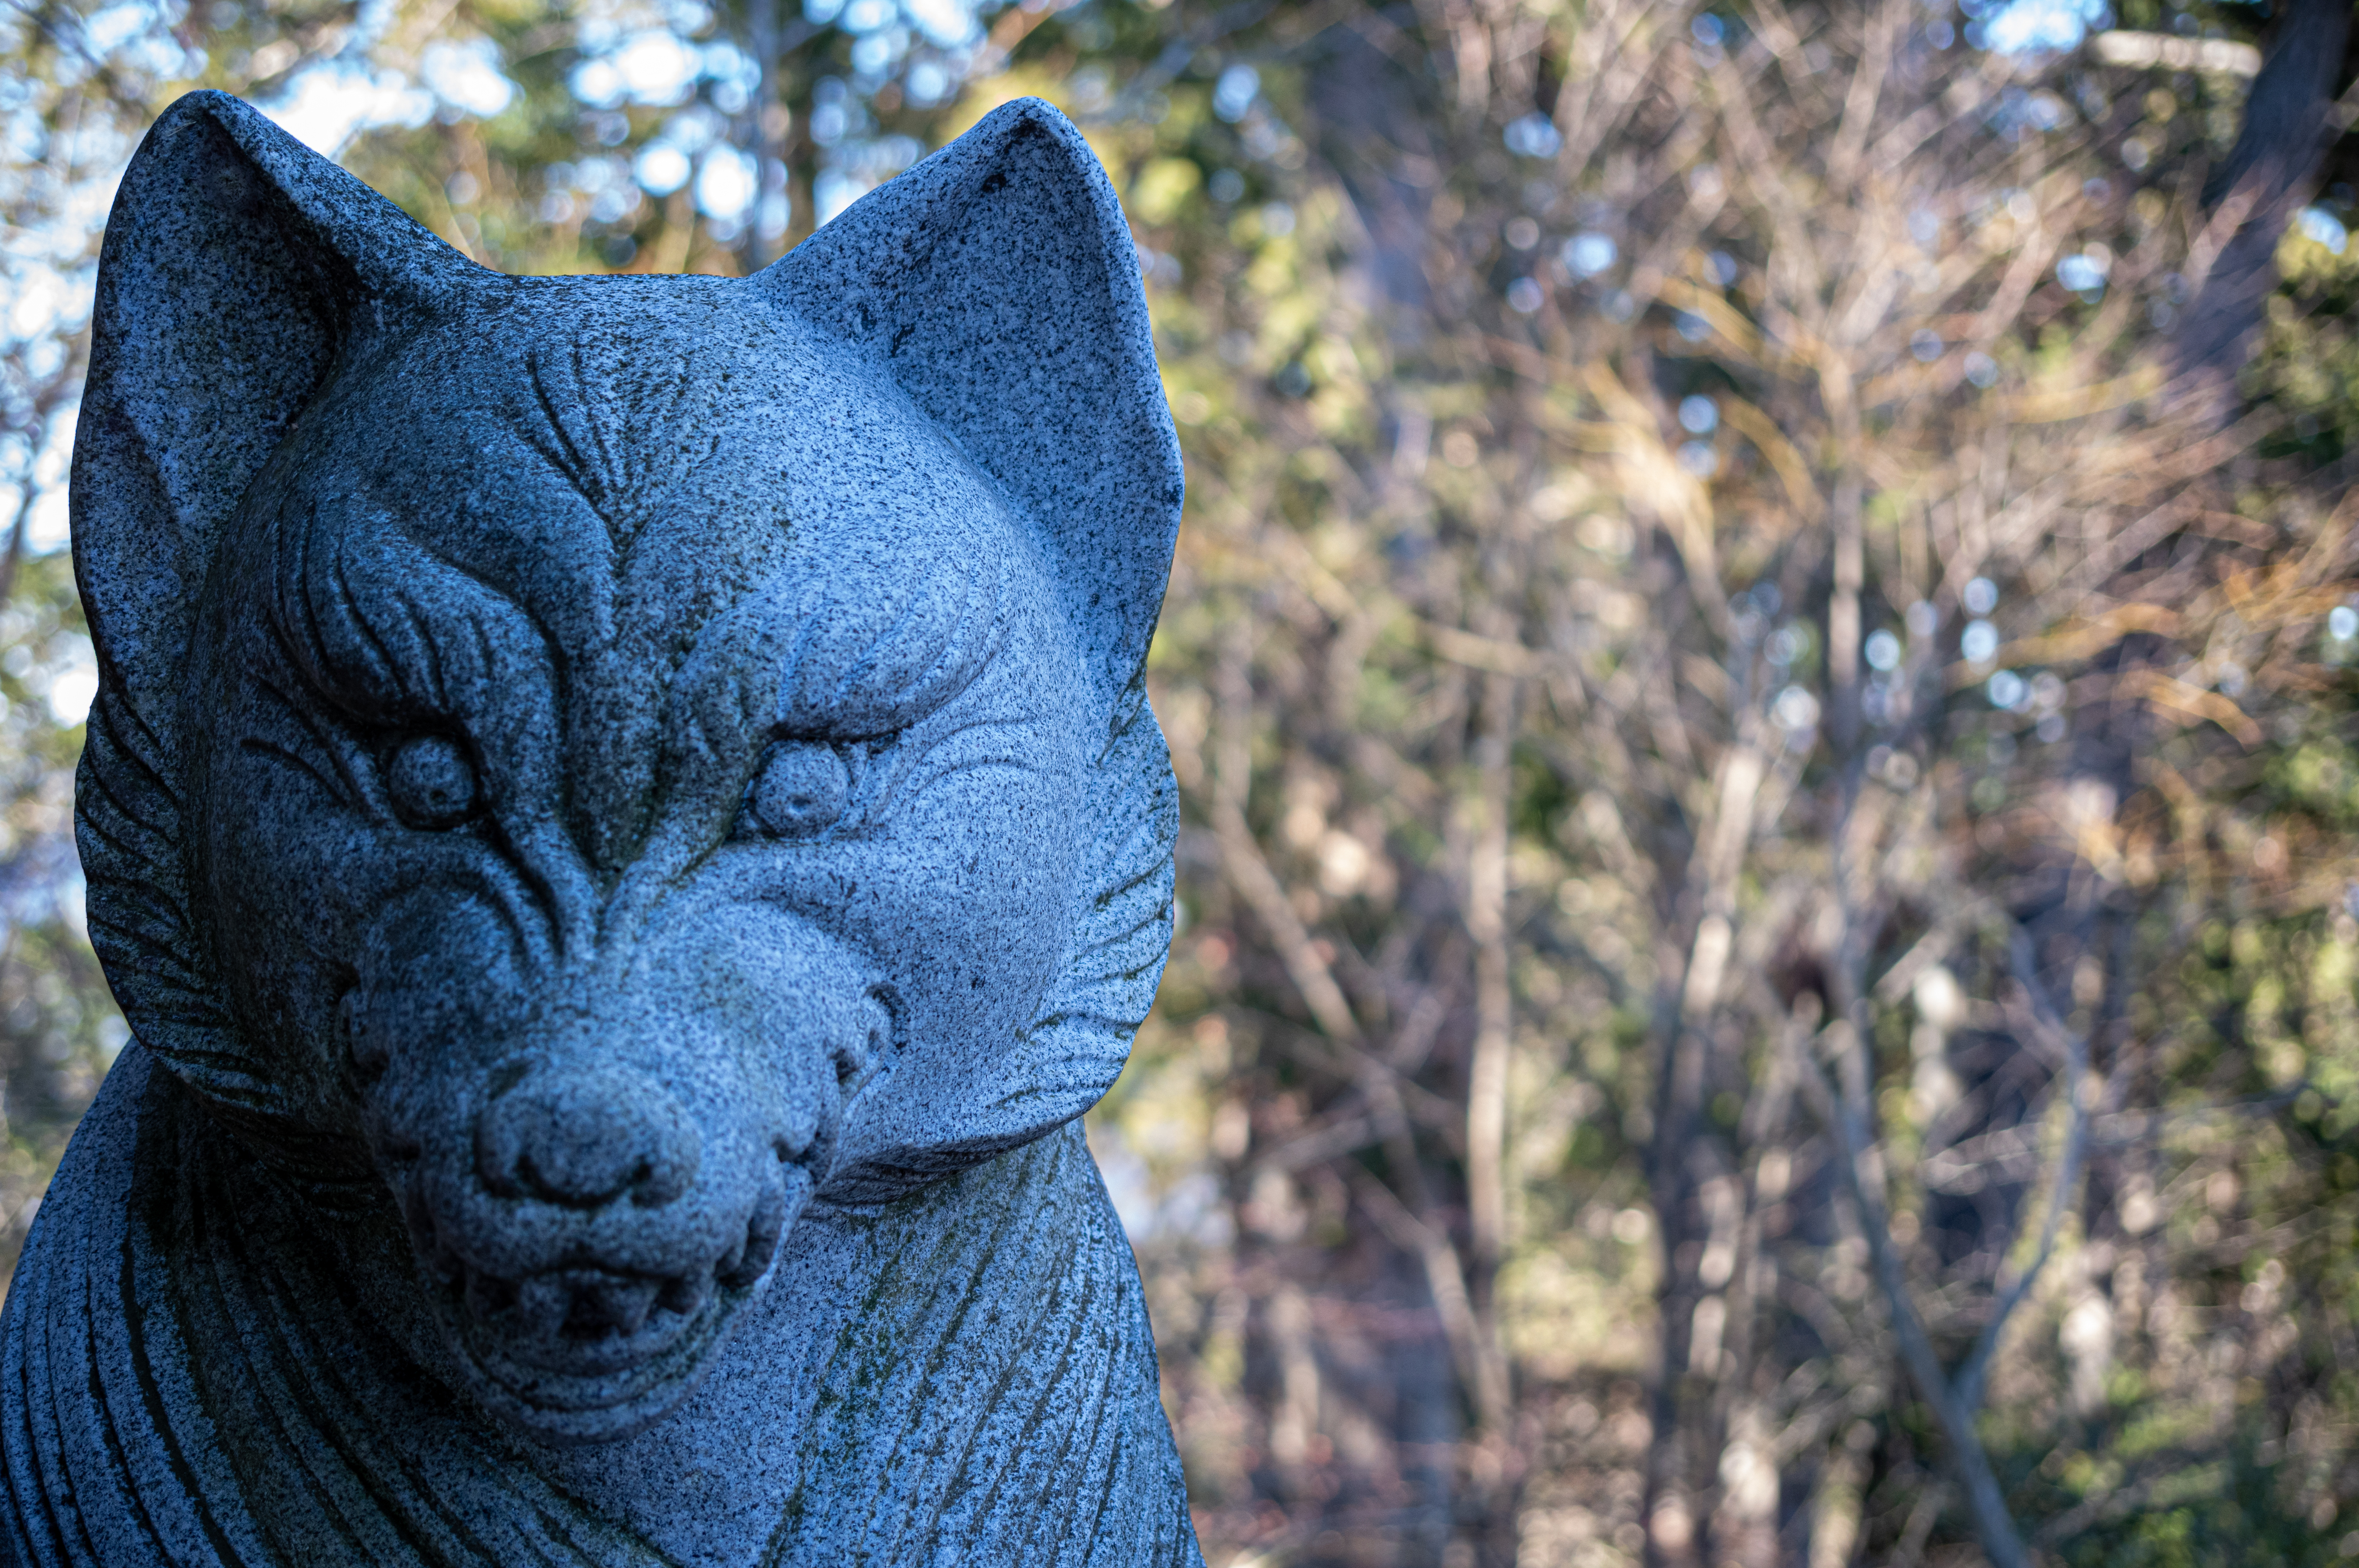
(1995, 1526)
(1976, 1369)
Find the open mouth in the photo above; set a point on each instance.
(583, 1353)
(617, 1384)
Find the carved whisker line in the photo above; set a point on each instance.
(107, 788)
(360, 784)
(971, 765)
(1131, 709)
(1150, 876)
(132, 741)
(422, 630)
(497, 881)
(1153, 876)
(571, 460)
(1049, 1022)
(569, 905)
(916, 770)
(289, 757)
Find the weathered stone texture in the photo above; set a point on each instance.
(624, 817)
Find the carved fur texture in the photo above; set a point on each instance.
(625, 818)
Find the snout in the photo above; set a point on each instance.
(595, 1232)
(593, 1229)
(599, 1167)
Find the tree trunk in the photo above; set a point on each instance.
(2270, 173)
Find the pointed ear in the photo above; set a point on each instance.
(998, 284)
(237, 263)
(238, 266)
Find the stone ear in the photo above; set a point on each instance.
(238, 267)
(997, 283)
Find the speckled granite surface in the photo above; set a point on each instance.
(624, 818)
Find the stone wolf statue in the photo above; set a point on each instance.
(624, 820)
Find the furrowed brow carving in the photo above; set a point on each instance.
(597, 401)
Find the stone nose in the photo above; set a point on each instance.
(585, 1139)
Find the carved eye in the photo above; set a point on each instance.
(432, 783)
(802, 789)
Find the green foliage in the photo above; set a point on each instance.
(59, 1028)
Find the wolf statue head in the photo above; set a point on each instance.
(604, 765)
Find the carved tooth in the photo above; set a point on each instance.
(761, 1244)
(630, 1305)
(544, 1302)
